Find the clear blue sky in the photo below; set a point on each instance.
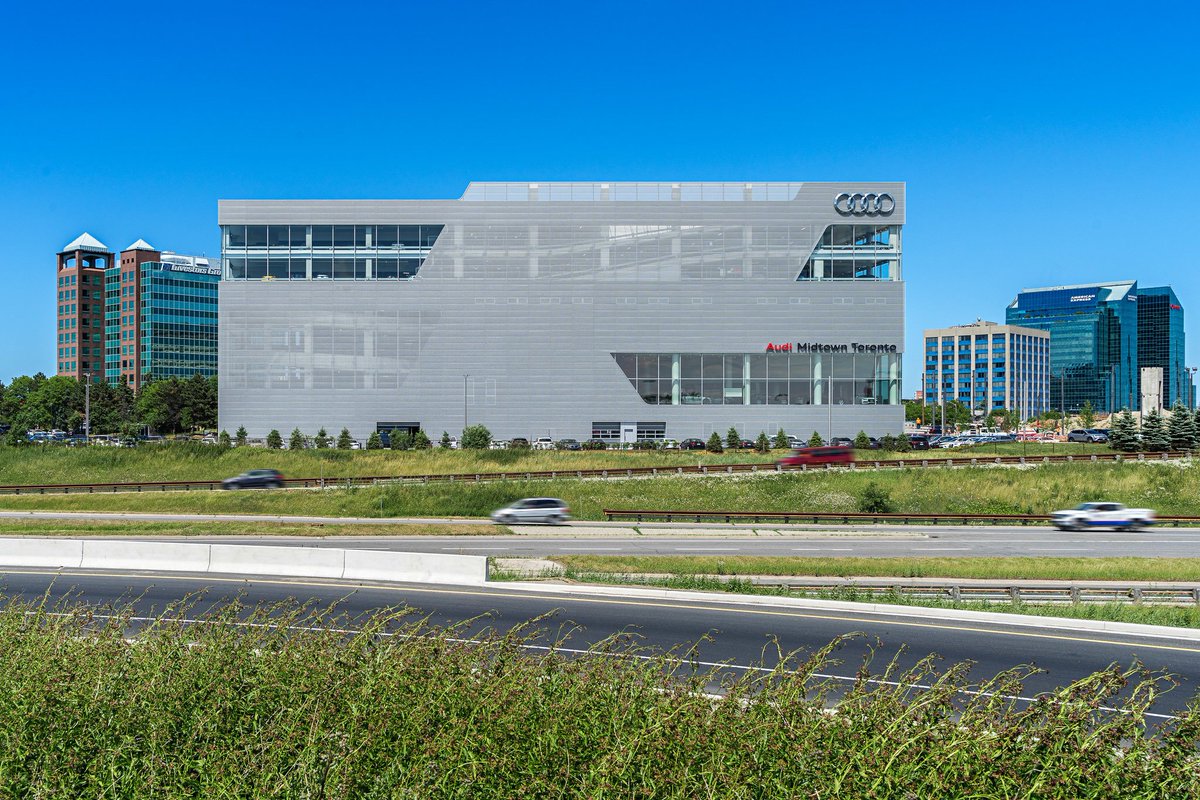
(1042, 144)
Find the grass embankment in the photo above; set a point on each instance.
(221, 710)
(1171, 489)
(67, 527)
(192, 461)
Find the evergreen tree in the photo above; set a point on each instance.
(274, 440)
(762, 444)
(1182, 428)
(815, 440)
(1155, 438)
(321, 441)
(781, 440)
(732, 440)
(445, 442)
(714, 443)
(862, 441)
(1087, 415)
(296, 440)
(241, 436)
(344, 441)
(374, 441)
(1123, 435)
(421, 441)
(401, 440)
(223, 440)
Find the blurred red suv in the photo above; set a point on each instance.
(812, 456)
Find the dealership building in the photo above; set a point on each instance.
(617, 311)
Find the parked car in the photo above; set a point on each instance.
(1102, 515)
(518, 443)
(692, 444)
(813, 456)
(669, 444)
(746, 444)
(498, 444)
(918, 441)
(533, 509)
(569, 444)
(255, 479)
(841, 441)
(543, 443)
(1087, 435)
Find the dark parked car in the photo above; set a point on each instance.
(518, 443)
(569, 444)
(746, 444)
(918, 441)
(692, 444)
(841, 441)
(255, 479)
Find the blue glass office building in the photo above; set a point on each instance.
(1160, 341)
(1093, 341)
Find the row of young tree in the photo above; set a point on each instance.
(169, 405)
(1178, 431)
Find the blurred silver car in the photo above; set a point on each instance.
(533, 509)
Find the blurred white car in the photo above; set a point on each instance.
(533, 509)
(1102, 515)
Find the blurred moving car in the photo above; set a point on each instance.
(550, 510)
(812, 456)
(691, 444)
(1102, 515)
(255, 479)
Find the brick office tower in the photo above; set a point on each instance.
(124, 314)
(81, 271)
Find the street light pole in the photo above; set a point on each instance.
(87, 408)
(829, 403)
(465, 377)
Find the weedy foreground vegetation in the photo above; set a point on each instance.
(270, 703)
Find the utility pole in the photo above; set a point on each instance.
(829, 402)
(87, 408)
(465, 377)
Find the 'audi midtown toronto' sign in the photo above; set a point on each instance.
(822, 347)
(864, 204)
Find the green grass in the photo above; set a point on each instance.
(69, 527)
(1170, 489)
(48, 464)
(984, 568)
(225, 710)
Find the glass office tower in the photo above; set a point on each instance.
(1161, 341)
(1093, 341)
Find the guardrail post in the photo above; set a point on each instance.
(1196, 595)
(924, 462)
(900, 463)
(1093, 457)
(1141, 457)
(1015, 593)
(628, 473)
(804, 467)
(974, 462)
(1070, 459)
(1022, 459)
(1118, 458)
(1074, 594)
(955, 593)
(477, 477)
(1164, 456)
(603, 473)
(876, 465)
(1136, 593)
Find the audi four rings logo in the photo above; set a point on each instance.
(868, 204)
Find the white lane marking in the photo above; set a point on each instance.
(1063, 549)
(822, 549)
(941, 549)
(478, 547)
(713, 549)
(589, 548)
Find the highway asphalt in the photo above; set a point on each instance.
(743, 636)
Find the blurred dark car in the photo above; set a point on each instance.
(692, 444)
(255, 479)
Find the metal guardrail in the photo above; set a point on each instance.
(919, 461)
(1000, 593)
(848, 517)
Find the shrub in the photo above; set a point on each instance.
(781, 440)
(732, 440)
(714, 443)
(875, 500)
(322, 440)
(296, 441)
(421, 441)
(401, 440)
(274, 440)
(476, 437)
(241, 436)
(344, 441)
(1123, 434)
(762, 444)
(594, 444)
(444, 443)
(223, 440)
(645, 444)
(862, 441)
(815, 440)
(374, 441)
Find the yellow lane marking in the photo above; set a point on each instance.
(798, 614)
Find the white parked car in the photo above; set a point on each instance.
(543, 443)
(1102, 515)
(533, 509)
(498, 444)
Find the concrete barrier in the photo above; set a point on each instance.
(306, 562)
(41, 552)
(121, 554)
(378, 565)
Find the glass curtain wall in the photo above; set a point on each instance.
(326, 252)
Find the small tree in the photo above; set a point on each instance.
(274, 440)
(875, 500)
(815, 440)
(1123, 435)
(476, 437)
(732, 440)
(296, 441)
(321, 442)
(1182, 428)
(374, 441)
(714, 443)
(401, 440)
(421, 441)
(762, 444)
(1154, 433)
(344, 441)
(781, 440)
(18, 435)
(1087, 415)
(223, 441)
(445, 441)
(240, 436)
(862, 441)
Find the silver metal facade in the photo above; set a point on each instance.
(529, 290)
